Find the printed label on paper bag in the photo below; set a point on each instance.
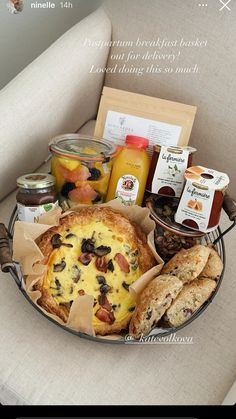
(169, 171)
(31, 214)
(118, 125)
(195, 206)
(127, 189)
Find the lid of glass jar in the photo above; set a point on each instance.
(35, 181)
(80, 147)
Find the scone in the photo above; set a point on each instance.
(190, 298)
(99, 252)
(188, 263)
(154, 301)
(214, 266)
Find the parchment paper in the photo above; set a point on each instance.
(32, 261)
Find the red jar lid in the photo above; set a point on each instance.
(140, 142)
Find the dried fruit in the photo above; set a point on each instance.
(66, 188)
(94, 174)
(187, 312)
(98, 198)
(149, 314)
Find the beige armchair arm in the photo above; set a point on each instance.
(55, 94)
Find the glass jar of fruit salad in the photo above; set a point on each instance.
(82, 167)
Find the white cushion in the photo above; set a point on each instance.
(55, 94)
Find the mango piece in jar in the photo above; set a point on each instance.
(68, 164)
(56, 173)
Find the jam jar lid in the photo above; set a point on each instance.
(175, 149)
(205, 178)
(36, 181)
(80, 147)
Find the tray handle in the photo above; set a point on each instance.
(229, 207)
(6, 262)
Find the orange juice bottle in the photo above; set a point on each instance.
(130, 171)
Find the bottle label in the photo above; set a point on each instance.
(195, 207)
(127, 189)
(31, 214)
(169, 173)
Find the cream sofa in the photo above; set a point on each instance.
(42, 364)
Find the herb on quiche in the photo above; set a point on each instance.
(70, 236)
(125, 286)
(58, 284)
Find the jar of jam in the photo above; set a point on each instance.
(202, 199)
(36, 195)
(166, 174)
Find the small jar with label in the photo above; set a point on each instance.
(168, 164)
(202, 199)
(36, 195)
(130, 171)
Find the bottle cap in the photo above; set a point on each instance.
(140, 142)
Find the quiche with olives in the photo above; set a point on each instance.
(99, 252)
